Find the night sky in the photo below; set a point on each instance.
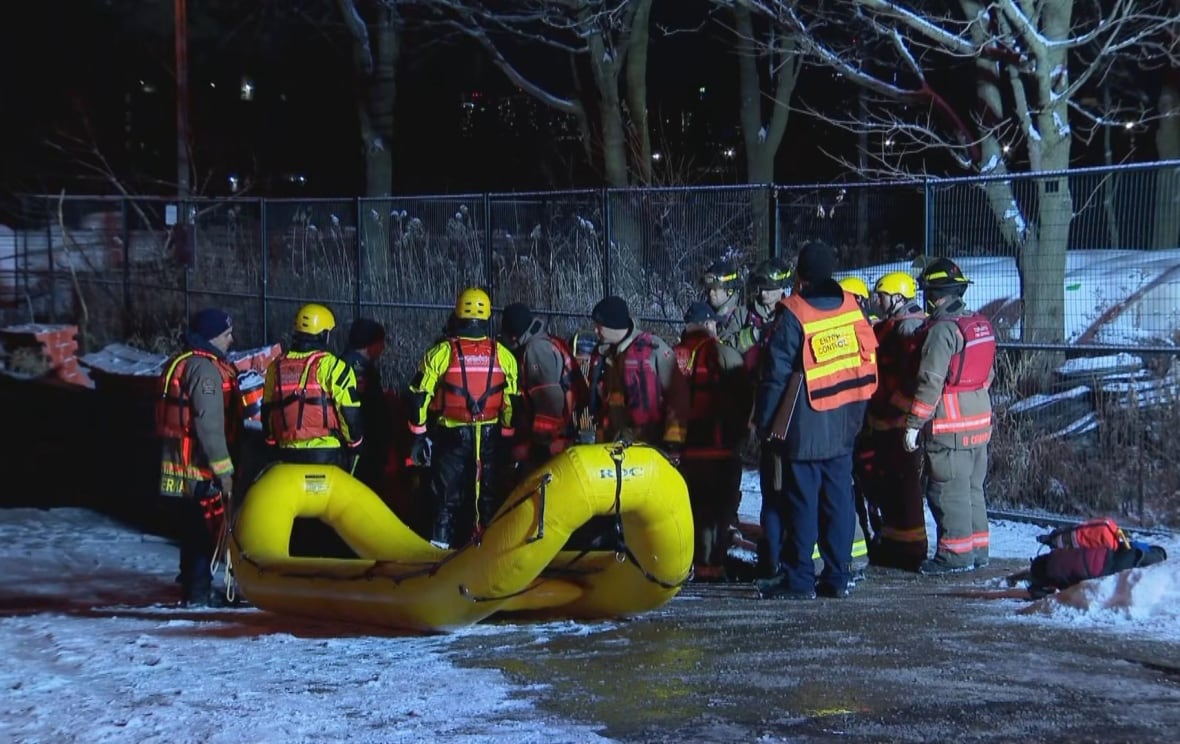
(72, 69)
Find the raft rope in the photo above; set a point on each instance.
(622, 552)
(224, 535)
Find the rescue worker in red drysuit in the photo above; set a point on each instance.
(198, 415)
(311, 405)
(551, 388)
(889, 475)
(467, 382)
(711, 375)
(631, 373)
(823, 336)
(952, 412)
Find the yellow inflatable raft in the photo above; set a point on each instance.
(402, 581)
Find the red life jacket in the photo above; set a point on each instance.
(297, 387)
(573, 387)
(969, 368)
(692, 356)
(642, 394)
(174, 409)
(473, 385)
(897, 359)
(753, 355)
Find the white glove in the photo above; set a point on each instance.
(911, 440)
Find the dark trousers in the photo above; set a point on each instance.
(893, 486)
(453, 477)
(771, 479)
(818, 505)
(714, 491)
(196, 546)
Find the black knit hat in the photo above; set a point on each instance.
(210, 323)
(363, 332)
(699, 312)
(612, 312)
(515, 319)
(817, 261)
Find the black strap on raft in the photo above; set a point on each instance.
(622, 552)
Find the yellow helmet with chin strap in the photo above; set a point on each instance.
(855, 285)
(314, 319)
(897, 283)
(473, 304)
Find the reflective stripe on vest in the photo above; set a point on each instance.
(838, 351)
(473, 385)
(174, 408)
(297, 386)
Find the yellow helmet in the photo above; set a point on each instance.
(314, 319)
(856, 286)
(473, 304)
(897, 282)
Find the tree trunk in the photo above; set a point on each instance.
(761, 140)
(1166, 226)
(1042, 259)
(382, 94)
(605, 67)
(637, 90)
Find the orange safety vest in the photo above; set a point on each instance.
(174, 408)
(297, 386)
(473, 385)
(838, 350)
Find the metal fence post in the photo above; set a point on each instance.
(774, 250)
(606, 231)
(359, 256)
(126, 236)
(928, 216)
(489, 264)
(264, 235)
(52, 267)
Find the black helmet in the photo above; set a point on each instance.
(942, 273)
(772, 273)
(722, 274)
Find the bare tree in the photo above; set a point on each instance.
(373, 28)
(606, 40)
(1031, 60)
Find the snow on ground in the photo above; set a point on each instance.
(90, 657)
(93, 656)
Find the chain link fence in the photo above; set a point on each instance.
(1084, 417)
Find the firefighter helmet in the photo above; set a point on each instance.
(855, 285)
(942, 273)
(473, 304)
(897, 283)
(720, 274)
(773, 273)
(314, 319)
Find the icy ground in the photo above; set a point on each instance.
(93, 652)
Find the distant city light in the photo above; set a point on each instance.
(147, 87)
(247, 89)
(657, 156)
(1129, 125)
(212, 84)
(889, 142)
(233, 182)
(1007, 149)
(298, 178)
(729, 152)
